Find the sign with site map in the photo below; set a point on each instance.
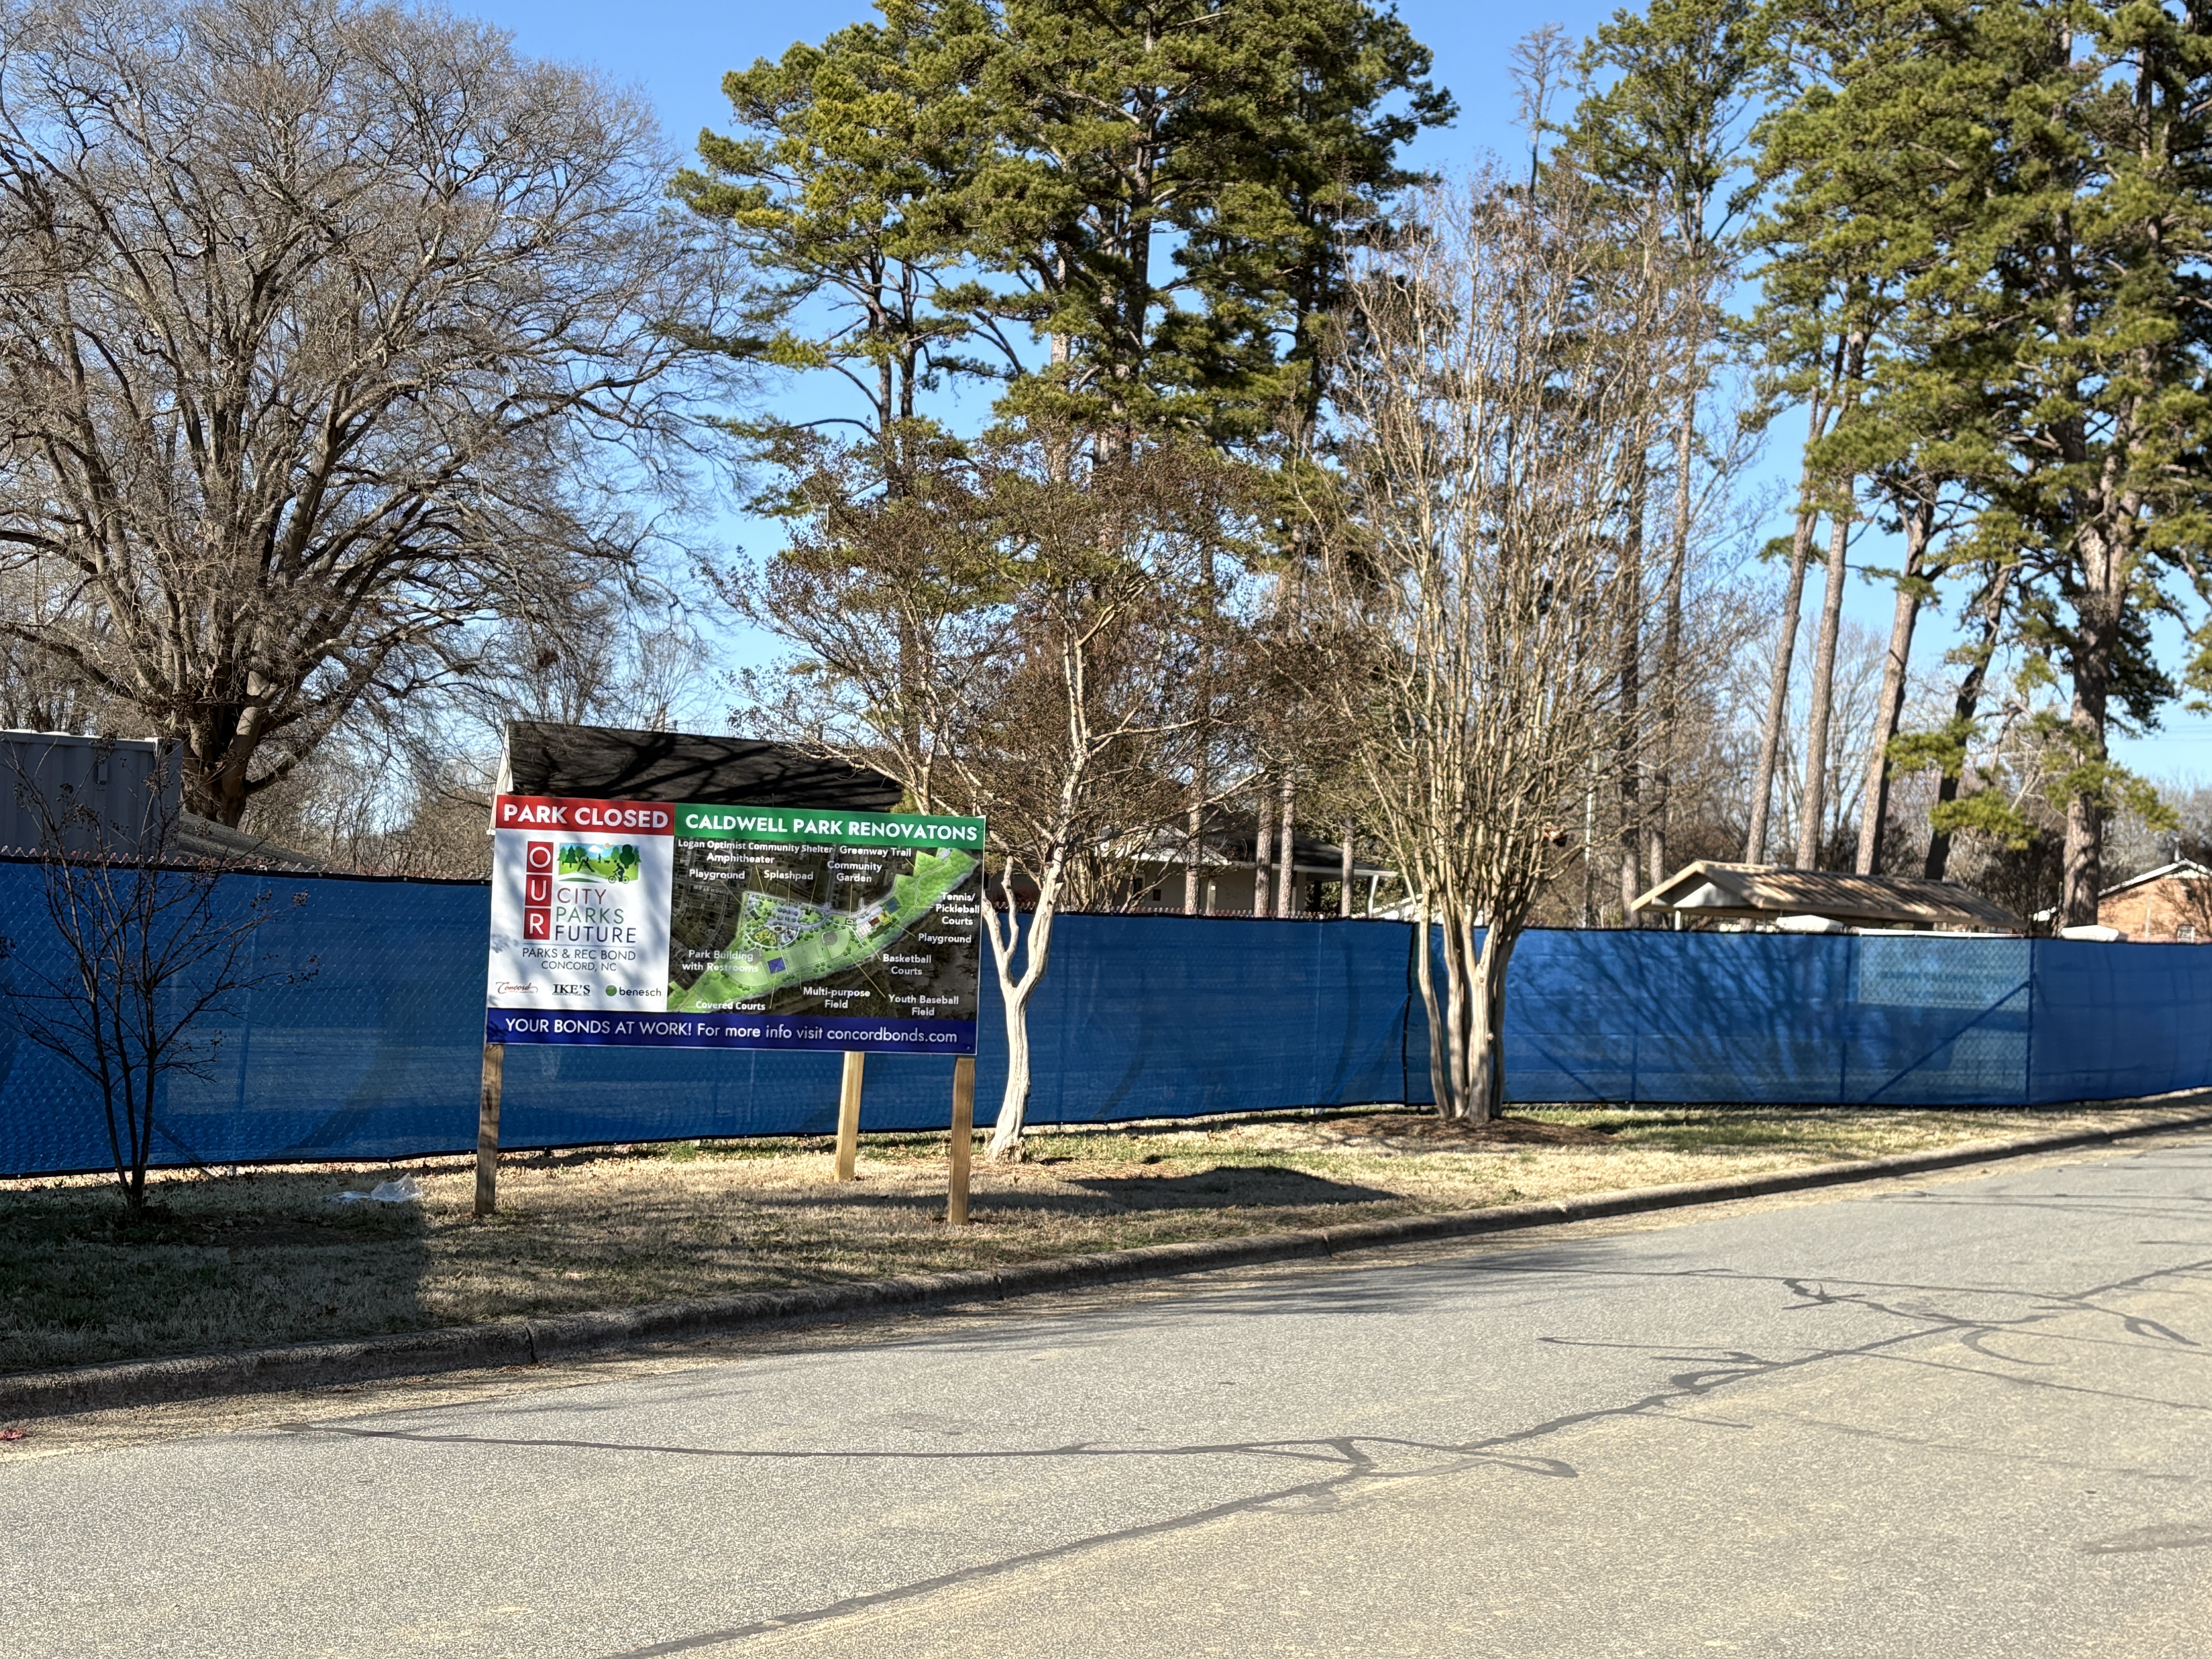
(673, 924)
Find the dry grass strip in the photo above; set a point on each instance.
(255, 1257)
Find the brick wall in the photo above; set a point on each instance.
(2162, 912)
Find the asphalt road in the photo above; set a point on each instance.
(1955, 1417)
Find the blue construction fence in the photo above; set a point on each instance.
(376, 1052)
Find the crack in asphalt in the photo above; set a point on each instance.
(1355, 1466)
(1355, 1461)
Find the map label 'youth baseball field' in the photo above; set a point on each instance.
(655, 923)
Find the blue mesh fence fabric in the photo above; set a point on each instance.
(1135, 1017)
(1774, 1019)
(2115, 1021)
(376, 1054)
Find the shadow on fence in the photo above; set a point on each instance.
(1144, 1015)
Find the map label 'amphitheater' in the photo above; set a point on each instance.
(683, 926)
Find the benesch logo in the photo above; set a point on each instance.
(542, 812)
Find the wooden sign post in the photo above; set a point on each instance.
(963, 1139)
(494, 1065)
(848, 1117)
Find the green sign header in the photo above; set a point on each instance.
(801, 824)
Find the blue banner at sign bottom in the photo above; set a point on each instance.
(724, 1031)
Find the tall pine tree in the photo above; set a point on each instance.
(2054, 262)
(1669, 124)
(1167, 194)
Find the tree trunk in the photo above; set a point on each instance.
(1991, 603)
(141, 1134)
(1786, 648)
(1458, 982)
(1466, 1022)
(1013, 1104)
(1201, 778)
(1344, 877)
(1260, 856)
(1589, 848)
(1777, 691)
(219, 789)
(1874, 806)
(1486, 1101)
(1286, 857)
(2098, 612)
(1629, 732)
(1035, 944)
(909, 710)
(1424, 976)
(1824, 689)
(1194, 857)
(1670, 653)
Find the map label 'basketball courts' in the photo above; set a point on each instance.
(685, 925)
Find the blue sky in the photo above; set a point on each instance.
(677, 51)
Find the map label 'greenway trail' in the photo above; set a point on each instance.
(692, 926)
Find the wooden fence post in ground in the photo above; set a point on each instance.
(964, 1138)
(848, 1117)
(495, 1064)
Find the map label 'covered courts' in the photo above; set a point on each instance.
(692, 925)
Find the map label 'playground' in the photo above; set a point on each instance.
(690, 925)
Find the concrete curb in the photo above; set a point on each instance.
(533, 1341)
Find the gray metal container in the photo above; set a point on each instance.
(115, 795)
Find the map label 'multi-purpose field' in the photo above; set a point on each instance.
(690, 925)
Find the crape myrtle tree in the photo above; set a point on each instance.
(1013, 638)
(1498, 380)
(330, 334)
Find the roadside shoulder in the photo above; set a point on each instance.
(534, 1341)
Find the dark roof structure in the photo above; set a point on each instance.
(1232, 842)
(195, 837)
(1767, 892)
(608, 763)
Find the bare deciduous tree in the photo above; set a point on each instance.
(151, 956)
(1018, 643)
(329, 332)
(1500, 369)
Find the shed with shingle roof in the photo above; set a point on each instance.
(1712, 891)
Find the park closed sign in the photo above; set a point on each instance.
(674, 925)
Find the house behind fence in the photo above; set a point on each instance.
(2170, 905)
